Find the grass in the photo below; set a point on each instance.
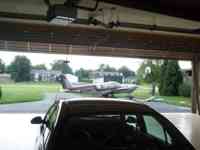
(144, 92)
(26, 92)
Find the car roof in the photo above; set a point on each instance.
(103, 105)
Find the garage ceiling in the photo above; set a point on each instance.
(159, 12)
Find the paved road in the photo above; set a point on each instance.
(42, 106)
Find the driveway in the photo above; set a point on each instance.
(42, 106)
(17, 132)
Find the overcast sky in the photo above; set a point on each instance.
(86, 62)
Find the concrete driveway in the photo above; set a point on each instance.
(17, 132)
(42, 106)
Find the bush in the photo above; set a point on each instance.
(170, 79)
(185, 89)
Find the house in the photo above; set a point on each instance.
(44, 75)
(100, 77)
(5, 78)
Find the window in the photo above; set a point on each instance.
(50, 119)
(154, 128)
(51, 116)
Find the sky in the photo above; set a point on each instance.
(77, 62)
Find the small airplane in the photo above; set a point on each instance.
(106, 89)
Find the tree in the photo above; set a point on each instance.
(2, 66)
(126, 71)
(106, 68)
(20, 69)
(82, 73)
(141, 72)
(40, 66)
(162, 74)
(149, 71)
(62, 66)
(171, 78)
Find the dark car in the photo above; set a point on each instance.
(106, 124)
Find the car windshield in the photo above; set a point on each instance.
(109, 132)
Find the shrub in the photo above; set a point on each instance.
(171, 78)
(185, 89)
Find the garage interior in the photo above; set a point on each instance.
(155, 29)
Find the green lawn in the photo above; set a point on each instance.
(144, 92)
(26, 92)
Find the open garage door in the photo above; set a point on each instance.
(96, 41)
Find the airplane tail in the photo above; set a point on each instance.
(65, 82)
